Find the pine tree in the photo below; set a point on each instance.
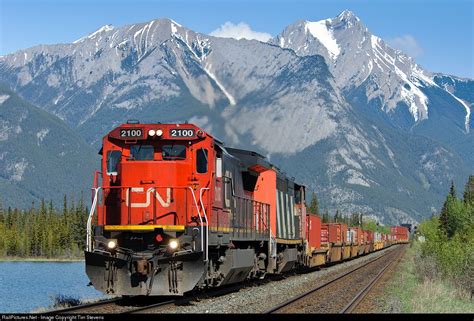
(354, 219)
(448, 219)
(2, 215)
(42, 225)
(325, 216)
(313, 207)
(468, 195)
(65, 232)
(452, 190)
(337, 216)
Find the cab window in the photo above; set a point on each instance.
(173, 152)
(113, 159)
(201, 161)
(141, 152)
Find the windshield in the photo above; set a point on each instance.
(174, 152)
(142, 152)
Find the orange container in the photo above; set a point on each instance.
(314, 230)
(362, 237)
(369, 236)
(358, 235)
(324, 233)
(399, 233)
(337, 232)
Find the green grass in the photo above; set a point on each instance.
(409, 292)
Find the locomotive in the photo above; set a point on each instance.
(174, 209)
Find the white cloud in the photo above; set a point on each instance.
(239, 31)
(407, 44)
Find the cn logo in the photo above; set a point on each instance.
(151, 190)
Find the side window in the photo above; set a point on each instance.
(142, 152)
(227, 189)
(298, 195)
(218, 167)
(173, 152)
(201, 161)
(113, 159)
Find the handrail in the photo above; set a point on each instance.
(89, 219)
(200, 217)
(207, 222)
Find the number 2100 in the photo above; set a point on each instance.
(130, 133)
(182, 132)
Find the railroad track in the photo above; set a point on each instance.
(351, 306)
(154, 307)
(340, 288)
(162, 307)
(149, 304)
(139, 304)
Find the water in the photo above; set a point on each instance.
(27, 286)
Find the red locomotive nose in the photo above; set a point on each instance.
(159, 238)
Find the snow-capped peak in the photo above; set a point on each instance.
(92, 35)
(322, 31)
(355, 56)
(172, 21)
(348, 16)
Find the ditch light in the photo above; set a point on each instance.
(111, 244)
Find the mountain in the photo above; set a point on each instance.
(388, 90)
(40, 157)
(361, 134)
(370, 74)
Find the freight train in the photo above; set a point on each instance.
(173, 210)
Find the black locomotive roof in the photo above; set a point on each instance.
(249, 158)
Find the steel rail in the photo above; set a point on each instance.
(366, 290)
(301, 296)
(148, 307)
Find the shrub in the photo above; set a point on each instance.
(448, 250)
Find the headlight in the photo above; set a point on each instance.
(159, 132)
(111, 244)
(151, 132)
(173, 244)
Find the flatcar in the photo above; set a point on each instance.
(174, 209)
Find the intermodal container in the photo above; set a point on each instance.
(344, 229)
(399, 233)
(362, 237)
(357, 235)
(324, 233)
(377, 237)
(314, 230)
(369, 236)
(351, 237)
(337, 233)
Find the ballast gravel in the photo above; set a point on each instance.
(258, 299)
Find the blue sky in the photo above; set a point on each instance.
(438, 33)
